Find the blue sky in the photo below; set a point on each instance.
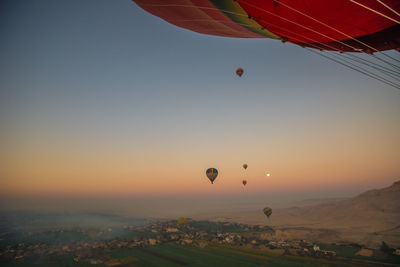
(87, 79)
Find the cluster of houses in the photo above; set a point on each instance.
(201, 234)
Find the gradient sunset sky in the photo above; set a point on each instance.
(100, 98)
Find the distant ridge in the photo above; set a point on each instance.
(368, 218)
(376, 209)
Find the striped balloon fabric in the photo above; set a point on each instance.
(212, 174)
(322, 24)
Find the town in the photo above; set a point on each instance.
(91, 245)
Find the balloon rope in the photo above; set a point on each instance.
(370, 64)
(300, 25)
(388, 7)
(375, 11)
(326, 25)
(374, 74)
(365, 71)
(354, 68)
(393, 74)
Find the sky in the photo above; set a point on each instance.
(100, 98)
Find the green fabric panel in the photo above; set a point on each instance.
(243, 19)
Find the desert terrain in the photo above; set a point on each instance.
(367, 219)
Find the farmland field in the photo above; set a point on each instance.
(179, 255)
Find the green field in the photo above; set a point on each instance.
(178, 255)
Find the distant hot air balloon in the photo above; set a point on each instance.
(182, 221)
(268, 174)
(239, 72)
(245, 166)
(212, 173)
(267, 211)
(244, 182)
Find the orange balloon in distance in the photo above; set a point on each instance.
(244, 182)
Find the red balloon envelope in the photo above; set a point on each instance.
(343, 25)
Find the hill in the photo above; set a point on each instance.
(374, 210)
(368, 218)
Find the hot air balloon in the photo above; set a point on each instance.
(340, 25)
(239, 72)
(244, 182)
(212, 173)
(182, 221)
(365, 26)
(268, 174)
(245, 166)
(267, 211)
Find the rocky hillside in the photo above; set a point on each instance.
(369, 219)
(377, 210)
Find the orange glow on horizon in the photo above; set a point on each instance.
(177, 167)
